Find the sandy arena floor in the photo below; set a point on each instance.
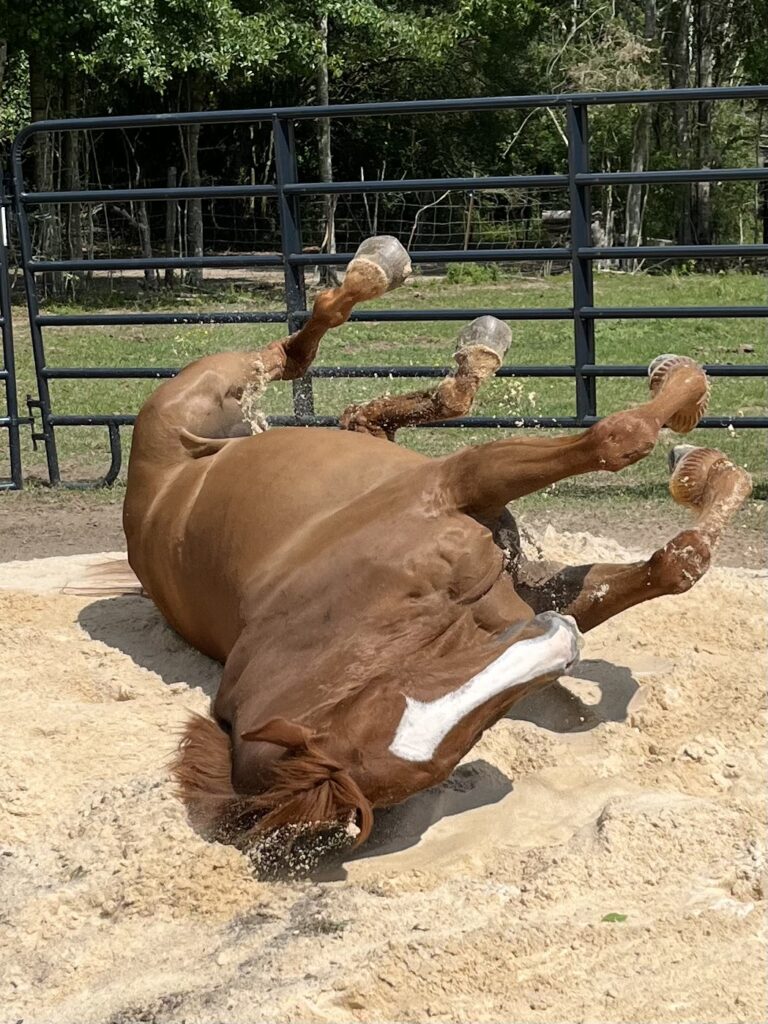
(634, 792)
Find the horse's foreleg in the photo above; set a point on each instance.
(379, 265)
(480, 349)
(482, 480)
(702, 479)
(204, 401)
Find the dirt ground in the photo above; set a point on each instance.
(40, 523)
(597, 858)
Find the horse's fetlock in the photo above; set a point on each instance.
(680, 563)
(622, 439)
(453, 400)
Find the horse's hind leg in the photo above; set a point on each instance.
(480, 349)
(704, 480)
(481, 480)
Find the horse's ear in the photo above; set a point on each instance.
(281, 732)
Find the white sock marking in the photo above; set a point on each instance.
(425, 724)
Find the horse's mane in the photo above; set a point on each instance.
(307, 787)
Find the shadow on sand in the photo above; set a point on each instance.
(133, 625)
(558, 709)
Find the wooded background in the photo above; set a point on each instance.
(63, 58)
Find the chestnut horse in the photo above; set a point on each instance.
(370, 605)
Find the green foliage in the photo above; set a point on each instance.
(156, 40)
(472, 273)
(118, 56)
(14, 98)
(614, 918)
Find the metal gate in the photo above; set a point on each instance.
(9, 417)
(579, 180)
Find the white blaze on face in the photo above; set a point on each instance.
(425, 724)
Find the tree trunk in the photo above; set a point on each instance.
(47, 226)
(327, 275)
(679, 35)
(42, 178)
(763, 190)
(71, 173)
(705, 68)
(89, 240)
(145, 242)
(641, 144)
(194, 206)
(3, 60)
(170, 226)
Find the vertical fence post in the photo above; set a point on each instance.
(9, 362)
(581, 268)
(43, 401)
(290, 240)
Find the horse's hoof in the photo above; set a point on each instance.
(379, 265)
(685, 419)
(482, 345)
(697, 471)
(486, 334)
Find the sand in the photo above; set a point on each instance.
(634, 788)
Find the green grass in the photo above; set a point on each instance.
(83, 450)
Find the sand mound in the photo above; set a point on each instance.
(634, 790)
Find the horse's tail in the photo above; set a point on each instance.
(113, 578)
(306, 786)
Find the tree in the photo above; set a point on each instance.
(109, 56)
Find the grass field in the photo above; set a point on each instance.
(83, 451)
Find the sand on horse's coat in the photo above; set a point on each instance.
(596, 858)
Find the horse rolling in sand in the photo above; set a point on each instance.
(371, 606)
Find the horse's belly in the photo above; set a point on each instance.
(230, 519)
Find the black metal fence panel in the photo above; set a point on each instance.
(287, 192)
(9, 412)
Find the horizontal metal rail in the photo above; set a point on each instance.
(358, 316)
(673, 177)
(542, 181)
(297, 259)
(158, 263)
(154, 319)
(115, 195)
(405, 372)
(430, 256)
(322, 259)
(672, 312)
(697, 252)
(409, 315)
(466, 423)
(476, 104)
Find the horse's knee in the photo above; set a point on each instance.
(680, 563)
(357, 419)
(622, 439)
